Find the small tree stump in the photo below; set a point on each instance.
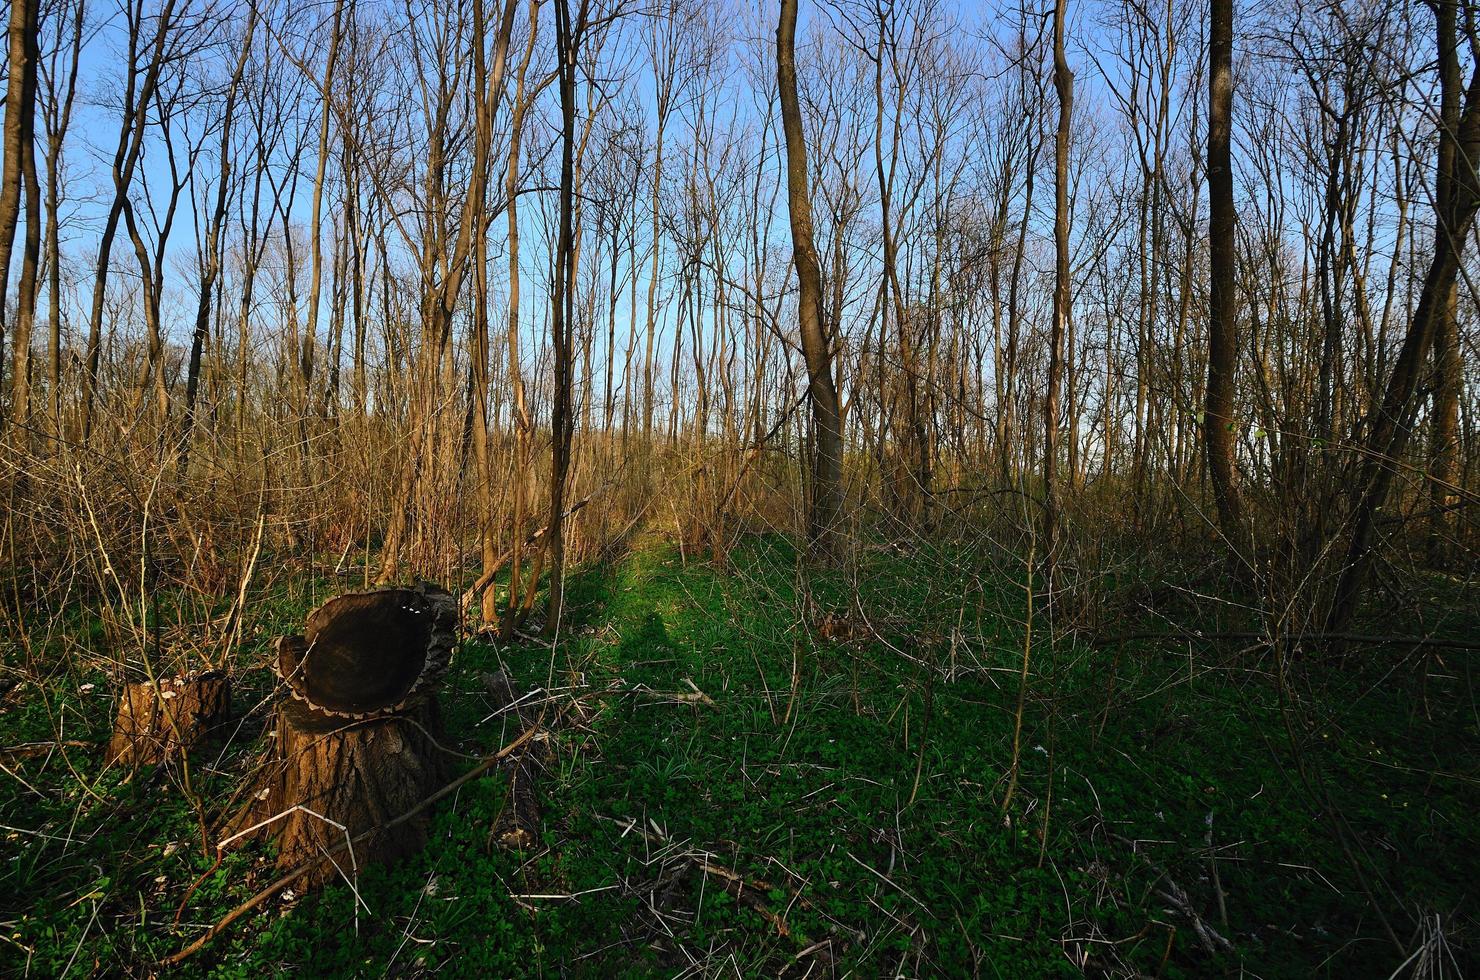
(356, 742)
(157, 723)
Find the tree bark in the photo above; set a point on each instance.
(562, 303)
(158, 721)
(58, 118)
(1063, 82)
(1448, 378)
(20, 175)
(328, 779)
(1218, 420)
(825, 509)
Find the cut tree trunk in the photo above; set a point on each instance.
(158, 721)
(367, 654)
(331, 778)
(357, 741)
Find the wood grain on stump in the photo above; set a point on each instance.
(158, 720)
(364, 654)
(356, 743)
(330, 778)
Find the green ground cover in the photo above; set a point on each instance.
(833, 805)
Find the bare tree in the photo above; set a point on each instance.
(316, 208)
(1391, 427)
(145, 60)
(826, 505)
(212, 245)
(1063, 81)
(60, 84)
(522, 417)
(569, 34)
(1218, 414)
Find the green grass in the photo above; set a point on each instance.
(819, 812)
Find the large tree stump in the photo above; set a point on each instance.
(356, 741)
(156, 722)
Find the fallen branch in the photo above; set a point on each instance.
(1176, 897)
(489, 574)
(1414, 641)
(27, 750)
(692, 696)
(1212, 942)
(747, 891)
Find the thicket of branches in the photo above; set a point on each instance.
(462, 291)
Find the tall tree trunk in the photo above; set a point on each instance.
(315, 218)
(1218, 423)
(827, 437)
(58, 119)
(25, 314)
(132, 126)
(916, 443)
(20, 174)
(480, 354)
(442, 270)
(523, 423)
(1008, 410)
(211, 262)
(1444, 434)
(1063, 83)
(562, 305)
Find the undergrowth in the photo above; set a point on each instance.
(832, 804)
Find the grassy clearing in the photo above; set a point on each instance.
(848, 823)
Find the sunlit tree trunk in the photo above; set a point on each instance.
(568, 35)
(57, 120)
(825, 510)
(19, 177)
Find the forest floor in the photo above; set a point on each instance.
(744, 781)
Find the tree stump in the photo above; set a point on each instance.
(355, 745)
(156, 723)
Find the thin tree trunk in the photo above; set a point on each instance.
(1218, 413)
(58, 119)
(523, 422)
(315, 248)
(1063, 82)
(562, 307)
(827, 442)
(211, 264)
(125, 159)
